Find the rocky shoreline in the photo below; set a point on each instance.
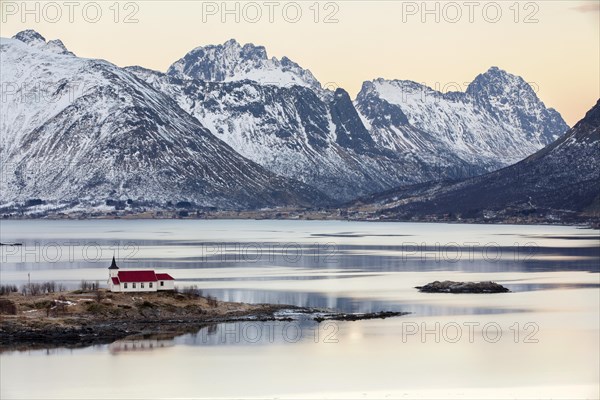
(74, 319)
(15, 335)
(357, 316)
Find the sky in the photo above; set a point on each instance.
(554, 45)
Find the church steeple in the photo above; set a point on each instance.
(113, 270)
(114, 264)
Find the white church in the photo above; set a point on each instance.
(138, 281)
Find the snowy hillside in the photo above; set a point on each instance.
(405, 133)
(86, 130)
(559, 182)
(294, 132)
(498, 121)
(227, 126)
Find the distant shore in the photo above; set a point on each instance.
(79, 319)
(569, 219)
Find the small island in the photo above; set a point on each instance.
(462, 287)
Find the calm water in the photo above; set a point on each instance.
(539, 341)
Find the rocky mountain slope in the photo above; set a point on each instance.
(560, 181)
(229, 127)
(85, 130)
(496, 122)
(297, 132)
(276, 114)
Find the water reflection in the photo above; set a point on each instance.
(372, 269)
(158, 254)
(256, 333)
(351, 304)
(136, 345)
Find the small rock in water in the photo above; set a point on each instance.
(462, 287)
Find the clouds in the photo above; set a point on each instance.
(588, 7)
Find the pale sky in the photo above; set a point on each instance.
(554, 45)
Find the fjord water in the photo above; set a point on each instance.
(540, 340)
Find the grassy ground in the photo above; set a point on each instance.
(82, 318)
(102, 304)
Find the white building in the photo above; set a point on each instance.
(138, 281)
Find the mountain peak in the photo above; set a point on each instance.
(591, 118)
(499, 73)
(251, 51)
(516, 123)
(57, 46)
(510, 97)
(497, 81)
(34, 39)
(234, 62)
(31, 37)
(494, 70)
(231, 43)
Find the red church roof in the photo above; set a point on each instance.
(115, 281)
(137, 276)
(164, 277)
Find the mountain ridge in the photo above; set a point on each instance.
(354, 157)
(291, 128)
(459, 119)
(560, 181)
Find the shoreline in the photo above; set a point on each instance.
(579, 222)
(74, 319)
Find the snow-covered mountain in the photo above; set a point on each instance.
(561, 181)
(85, 130)
(234, 62)
(295, 132)
(277, 115)
(497, 121)
(188, 134)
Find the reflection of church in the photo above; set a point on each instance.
(125, 345)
